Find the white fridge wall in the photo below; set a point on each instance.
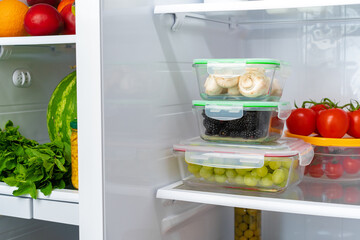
(148, 86)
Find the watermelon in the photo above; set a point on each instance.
(62, 109)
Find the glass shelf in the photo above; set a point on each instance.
(331, 199)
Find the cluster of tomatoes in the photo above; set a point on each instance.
(333, 165)
(325, 118)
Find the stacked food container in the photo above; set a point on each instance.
(241, 121)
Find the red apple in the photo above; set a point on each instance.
(53, 3)
(69, 19)
(43, 19)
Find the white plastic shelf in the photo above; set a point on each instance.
(38, 40)
(291, 201)
(61, 206)
(248, 5)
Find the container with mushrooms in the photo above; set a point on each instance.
(240, 79)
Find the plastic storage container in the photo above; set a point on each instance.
(240, 79)
(230, 121)
(335, 159)
(74, 154)
(247, 224)
(269, 168)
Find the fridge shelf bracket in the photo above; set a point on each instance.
(179, 19)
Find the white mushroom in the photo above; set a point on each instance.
(254, 83)
(233, 90)
(211, 87)
(276, 89)
(227, 82)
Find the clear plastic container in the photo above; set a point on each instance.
(335, 163)
(246, 122)
(335, 159)
(267, 168)
(247, 224)
(240, 79)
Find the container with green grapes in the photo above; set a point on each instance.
(247, 224)
(266, 168)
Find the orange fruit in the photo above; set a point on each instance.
(12, 14)
(63, 3)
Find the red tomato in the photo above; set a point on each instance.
(318, 107)
(316, 170)
(333, 170)
(352, 195)
(354, 124)
(332, 123)
(301, 121)
(333, 191)
(351, 165)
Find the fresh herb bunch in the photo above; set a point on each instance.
(28, 165)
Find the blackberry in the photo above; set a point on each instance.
(246, 134)
(235, 133)
(224, 132)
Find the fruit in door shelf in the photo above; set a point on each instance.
(63, 3)
(12, 18)
(69, 19)
(62, 109)
(43, 19)
(53, 3)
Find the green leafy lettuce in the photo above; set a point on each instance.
(29, 166)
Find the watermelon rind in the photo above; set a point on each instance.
(62, 109)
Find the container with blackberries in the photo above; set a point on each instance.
(267, 168)
(241, 122)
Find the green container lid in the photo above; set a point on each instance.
(73, 124)
(242, 103)
(239, 60)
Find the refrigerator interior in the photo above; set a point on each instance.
(26, 107)
(148, 86)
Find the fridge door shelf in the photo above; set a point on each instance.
(60, 206)
(293, 200)
(236, 13)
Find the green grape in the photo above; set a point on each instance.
(197, 175)
(250, 180)
(267, 180)
(243, 171)
(266, 162)
(206, 172)
(286, 171)
(211, 178)
(193, 168)
(274, 164)
(220, 178)
(286, 164)
(278, 176)
(283, 184)
(219, 171)
(254, 173)
(261, 172)
(230, 173)
(231, 180)
(239, 180)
